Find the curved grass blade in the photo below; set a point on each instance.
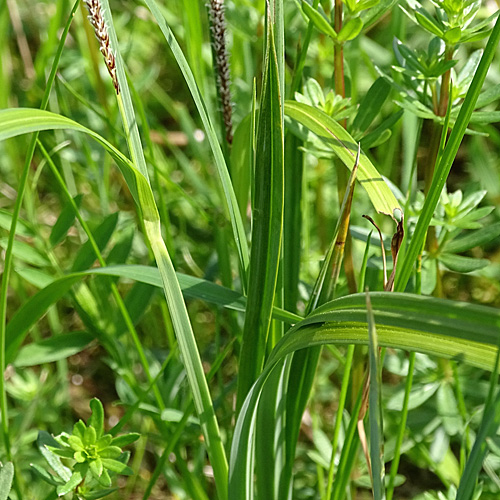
(375, 408)
(449, 329)
(230, 201)
(12, 233)
(195, 288)
(345, 147)
(14, 122)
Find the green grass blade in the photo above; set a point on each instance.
(348, 454)
(375, 408)
(230, 201)
(292, 223)
(488, 429)
(34, 308)
(305, 362)
(14, 122)
(53, 349)
(267, 225)
(401, 427)
(130, 123)
(345, 147)
(449, 329)
(338, 417)
(177, 308)
(442, 170)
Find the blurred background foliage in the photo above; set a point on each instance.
(398, 48)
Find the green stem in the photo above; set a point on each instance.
(402, 427)
(436, 131)
(338, 419)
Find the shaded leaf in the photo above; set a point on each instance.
(53, 349)
(461, 264)
(64, 221)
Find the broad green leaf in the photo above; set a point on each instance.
(267, 224)
(490, 95)
(116, 466)
(461, 264)
(53, 349)
(44, 441)
(26, 253)
(45, 476)
(64, 222)
(420, 393)
(23, 227)
(125, 439)
(453, 36)
(379, 134)
(447, 407)
(428, 23)
(86, 255)
(39, 279)
(75, 480)
(100, 494)
(350, 30)
(484, 117)
(405, 267)
(31, 311)
(371, 105)
(196, 288)
(345, 147)
(473, 239)
(449, 329)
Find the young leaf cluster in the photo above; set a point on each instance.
(94, 457)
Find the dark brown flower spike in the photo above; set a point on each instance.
(218, 28)
(101, 32)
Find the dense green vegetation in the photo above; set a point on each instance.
(249, 252)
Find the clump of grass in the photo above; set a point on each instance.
(161, 380)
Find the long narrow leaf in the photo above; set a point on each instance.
(375, 408)
(458, 330)
(267, 225)
(345, 147)
(230, 201)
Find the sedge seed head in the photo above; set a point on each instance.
(96, 18)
